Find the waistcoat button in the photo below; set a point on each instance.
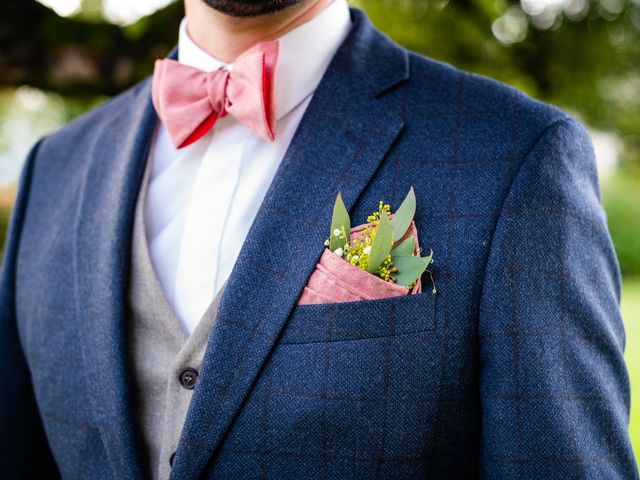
(188, 378)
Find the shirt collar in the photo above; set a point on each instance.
(305, 54)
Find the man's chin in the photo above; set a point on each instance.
(250, 8)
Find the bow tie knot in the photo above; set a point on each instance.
(216, 91)
(189, 101)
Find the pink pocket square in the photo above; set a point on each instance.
(336, 280)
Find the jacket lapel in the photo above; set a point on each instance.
(102, 254)
(341, 140)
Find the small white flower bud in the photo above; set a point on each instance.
(336, 232)
(338, 251)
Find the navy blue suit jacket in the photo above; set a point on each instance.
(514, 369)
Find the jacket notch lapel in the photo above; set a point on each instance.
(101, 262)
(342, 138)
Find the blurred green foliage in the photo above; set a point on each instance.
(631, 314)
(621, 197)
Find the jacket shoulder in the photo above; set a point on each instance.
(450, 90)
(83, 130)
(63, 159)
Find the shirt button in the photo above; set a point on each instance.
(188, 378)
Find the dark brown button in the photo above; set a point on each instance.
(188, 378)
(173, 455)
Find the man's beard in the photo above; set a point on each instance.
(250, 8)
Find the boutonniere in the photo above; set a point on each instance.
(378, 259)
(381, 248)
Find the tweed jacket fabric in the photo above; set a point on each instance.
(160, 349)
(514, 369)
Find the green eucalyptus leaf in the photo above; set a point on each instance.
(403, 216)
(406, 247)
(381, 244)
(410, 268)
(339, 222)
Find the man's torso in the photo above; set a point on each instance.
(386, 388)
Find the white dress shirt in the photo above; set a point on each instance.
(202, 199)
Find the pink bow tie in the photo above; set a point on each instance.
(189, 100)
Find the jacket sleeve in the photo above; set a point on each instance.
(24, 451)
(553, 383)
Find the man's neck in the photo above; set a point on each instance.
(226, 37)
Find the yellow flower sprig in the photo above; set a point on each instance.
(373, 251)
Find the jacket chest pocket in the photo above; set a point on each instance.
(353, 382)
(367, 319)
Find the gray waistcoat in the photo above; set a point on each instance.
(160, 351)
